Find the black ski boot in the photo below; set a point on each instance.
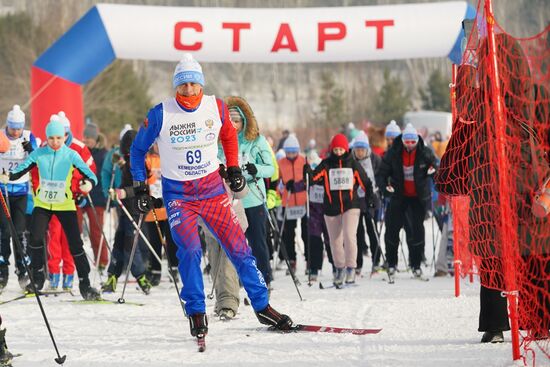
(4, 275)
(155, 277)
(87, 292)
(22, 278)
(5, 355)
(39, 278)
(269, 316)
(198, 323)
(492, 337)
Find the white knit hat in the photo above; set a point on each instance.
(291, 144)
(16, 118)
(280, 154)
(392, 130)
(65, 121)
(361, 141)
(125, 129)
(188, 70)
(409, 133)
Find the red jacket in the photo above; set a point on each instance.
(86, 156)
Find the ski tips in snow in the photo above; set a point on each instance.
(326, 329)
(337, 330)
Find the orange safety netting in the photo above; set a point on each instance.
(496, 166)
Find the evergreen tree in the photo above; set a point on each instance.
(116, 97)
(331, 104)
(391, 102)
(436, 96)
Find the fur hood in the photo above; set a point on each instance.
(250, 129)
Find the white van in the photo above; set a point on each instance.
(433, 120)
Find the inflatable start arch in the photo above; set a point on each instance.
(109, 31)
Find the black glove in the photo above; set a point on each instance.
(158, 203)
(307, 171)
(251, 169)
(144, 202)
(27, 146)
(290, 186)
(235, 179)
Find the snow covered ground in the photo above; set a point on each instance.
(423, 325)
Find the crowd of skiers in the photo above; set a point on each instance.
(199, 176)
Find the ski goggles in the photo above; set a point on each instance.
(410, 142)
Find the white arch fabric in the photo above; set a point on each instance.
(284, 35)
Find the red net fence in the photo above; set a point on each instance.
(496, 167)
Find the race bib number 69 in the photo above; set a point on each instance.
(340, 178)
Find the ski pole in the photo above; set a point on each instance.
(273, 228)
(131, 260)
(98, 223)
(216, 274)
(107, 208)
(165, 246)
(433, 233)
(139, 231)
(308, 244)
(379, 248)
(60, 359)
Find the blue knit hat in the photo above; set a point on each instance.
(188, 70)
(16, 118)
(55, 127)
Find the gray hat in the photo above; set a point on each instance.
(91, 131)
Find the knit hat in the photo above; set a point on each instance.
(126, 128)
(91, 131)
(409, 133)
(339, 141)
(361, 141)
(188, 70)
(392, 130)
(55, 127)
(65, 121)
(280, 154)
(16, 118)
(291, 144)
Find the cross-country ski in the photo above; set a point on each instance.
(336, 183)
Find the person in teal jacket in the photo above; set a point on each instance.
(53, 196)
(256, 162)
(111, 175)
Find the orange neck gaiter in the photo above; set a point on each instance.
(190, 102)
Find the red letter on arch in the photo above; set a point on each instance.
(333, 36)
(177, 36)
(379, 24)
(236, 27)
(284, 32)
